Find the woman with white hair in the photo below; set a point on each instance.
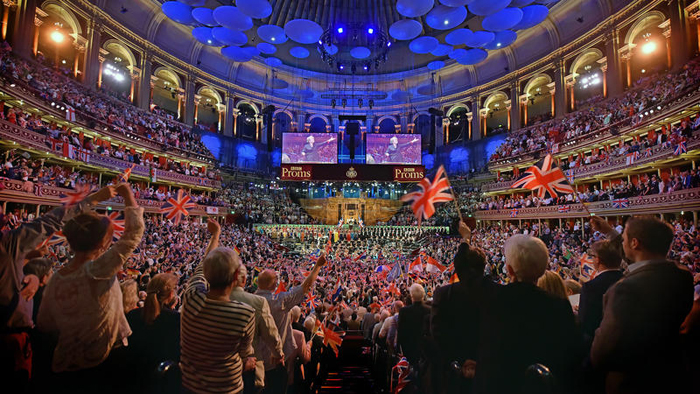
(526, 325)
(393, 153)
(217, 333)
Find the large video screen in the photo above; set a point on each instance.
(310, 148)
(393, 149)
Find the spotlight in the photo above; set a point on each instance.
(388, 44)
(370, 30)
(57, 36)
(649, 47)
(365, 67)
(340, 30)
(341, 67)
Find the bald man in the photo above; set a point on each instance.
(280, 305)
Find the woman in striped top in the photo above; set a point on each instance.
(217, 334)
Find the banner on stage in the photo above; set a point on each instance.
(352, 172)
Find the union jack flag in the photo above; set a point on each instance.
(620, 203)
(124, 176)
(340, 223)
(71, 198)
(392, 289)
(117, 220)
(311, 300)
(564, 208)
(280, 288)
(395, 272)
(570, 176)
(648, 152)
(332, 338)
(423, 201)
(174, 208)
(631, 158)
(55, 239)
(361, 223)
(680, 149)
(404, 369)
(544, 178)
(588, 271)
(514, 212)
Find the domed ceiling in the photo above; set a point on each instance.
(362, 37)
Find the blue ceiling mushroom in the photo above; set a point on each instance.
(238, 54)
(414, 8)
(179, 12)
(480, 38)
(533, 15)
(194, 3)
(360, 52)
(441, 50)
(456, 3)
(231, 17)
(502, 39)
(299, 52)
(487, 7)
(257, 9)
(405, 29)
(503, 19)
(443, 17)
(204, 35)
(422, 45)
(436, 65)
(457, 53)
(458, 37)
(303, 31)
(472, 56)
(273, 62)
(272, 34)
(266, 48)
(204, 16)
(521, 3)
(229, 37)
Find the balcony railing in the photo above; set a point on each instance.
(681, 200)
(12, 132)
(21, 192)
(614, 165)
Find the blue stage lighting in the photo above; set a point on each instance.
(340, 30)
(388, 44)
(370, 30)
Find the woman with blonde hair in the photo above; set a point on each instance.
(83, 303)
(553, 284)
(155, 330)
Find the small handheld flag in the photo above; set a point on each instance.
(118, 223)
(332, 338)
(71, 198)
(423, 201)
(620, 203)
(544, 178)
(124, 176)
(175, 208)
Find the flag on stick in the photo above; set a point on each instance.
(423, 201)
(175, 208)
(73, 197)
(544, 178)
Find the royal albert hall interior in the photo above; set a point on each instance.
(350, 196)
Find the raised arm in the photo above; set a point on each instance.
(110, 262)
(306, 285)
(215, 230)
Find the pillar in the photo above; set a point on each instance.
(132, 89)
(101, 59)
(235, 113)
(613, 82)
(144, 100)
(679, 30)
(476, 120)
(229, 119)
(514, 111)
(190, 105)
(22, 36)
(5, 20)
(93, 65)
(559, 89)
(35, 42)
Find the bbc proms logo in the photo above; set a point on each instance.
(296, 172)
(408, 174)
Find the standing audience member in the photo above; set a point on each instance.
(82, 303)
(638, 343)
(216, 333)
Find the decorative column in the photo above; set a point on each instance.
(470, 117)
(514, 113)
(197, 101)
(190, 107)
(552, 91)
(93, 65)
(37, 22)
(101, 59)
(666, 32)
(235, 112)
(180, 102)
(570, 83)
(626, 57)
(229, 120)
(523, 105)
(604, 70)
(134, 73)
(24, 27)
(446, 129)
(221, 109)
(476, 120)
(508, 108)
(258, 124)
(144, 100)
(559, 89)
(6, 16)
(484, 112)
(679, 27)
(613, 83)
(693, 11)
(80, 46)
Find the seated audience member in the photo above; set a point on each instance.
(553, 284)
(155, 330)
(216, 333)
(456, 316)
(606, 261)
(638, 343)
(265, 331)
(82, 303)
(525, 325)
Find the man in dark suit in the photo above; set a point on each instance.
(455, 316)
(525, 326)
(638, 343)
(412, 328)
(606, 261)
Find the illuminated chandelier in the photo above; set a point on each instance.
(354, 47)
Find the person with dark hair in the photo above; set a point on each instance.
(456, 315)
(83, 302)
(17, 289)
(155, 330)
(638, 343)
(41, 268)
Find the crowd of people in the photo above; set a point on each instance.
(160, 286)
(649, 93)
